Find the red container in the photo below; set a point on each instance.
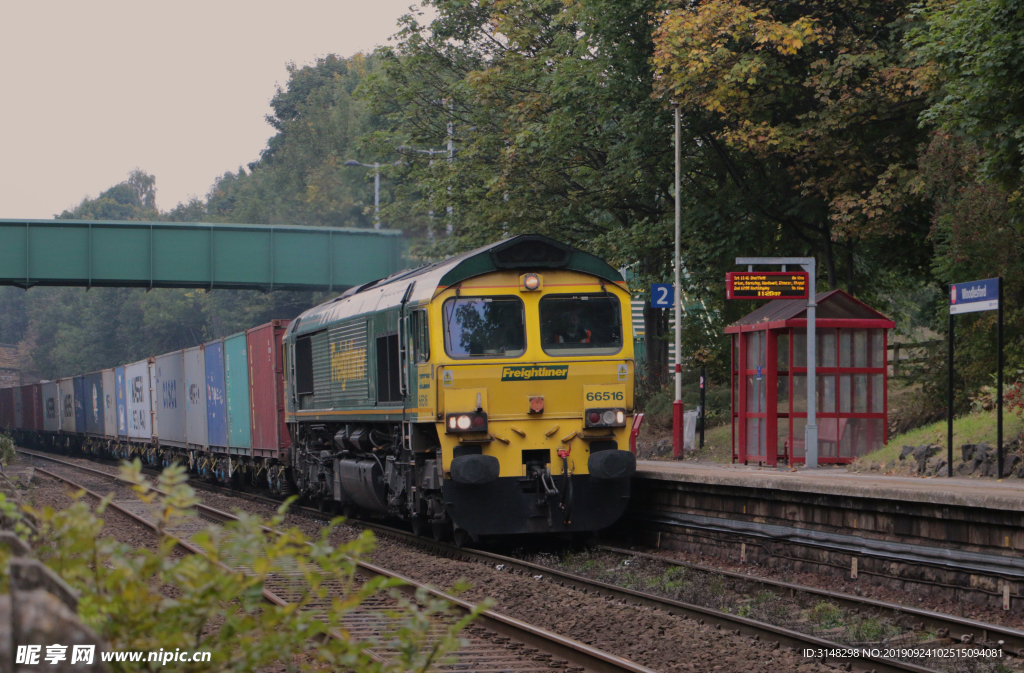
(6, 409)
(266, 389)
(32, 407)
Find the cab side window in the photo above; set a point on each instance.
(421, 336)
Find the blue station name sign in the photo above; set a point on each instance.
(976, 295)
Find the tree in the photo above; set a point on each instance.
(823, 97)
(300, 177)
(133, 199)
(974, 50)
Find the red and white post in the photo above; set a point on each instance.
(677, 406)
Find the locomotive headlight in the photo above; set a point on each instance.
(604, 418)
(531, 282)
(474, 421)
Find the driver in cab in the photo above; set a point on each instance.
(574, 332)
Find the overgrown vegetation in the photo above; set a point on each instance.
(7, 452)
(137, 599)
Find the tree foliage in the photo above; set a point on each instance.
(975, 49)
(300, 178)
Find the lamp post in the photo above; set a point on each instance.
(376, 186)
(677, 405)
(431, 152)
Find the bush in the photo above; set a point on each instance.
(658, 407)
(141, 600)
(7, 453)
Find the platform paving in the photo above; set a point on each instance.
(1005, 494)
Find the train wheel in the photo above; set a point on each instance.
(440, 530)
(418, 525)
(462, 538)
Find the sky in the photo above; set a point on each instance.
(92, 90)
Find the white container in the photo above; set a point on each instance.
(66, 404)
(109, 404)
(51, 406)
(169, 399)
(140, 412)
(195, 398)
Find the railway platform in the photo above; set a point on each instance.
(957, 491)
(961, 537)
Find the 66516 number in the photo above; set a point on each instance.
(605, 396)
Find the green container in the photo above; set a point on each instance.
(236, 377)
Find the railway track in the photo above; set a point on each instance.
(958, 629)
(495, 642)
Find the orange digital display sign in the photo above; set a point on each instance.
(766, 285)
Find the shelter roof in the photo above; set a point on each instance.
(832, 305)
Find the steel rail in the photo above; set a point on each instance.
(1011, 640)
(582, 656)
(734, 623)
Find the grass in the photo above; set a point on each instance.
(970, 429)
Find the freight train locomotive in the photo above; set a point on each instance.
(489, 394)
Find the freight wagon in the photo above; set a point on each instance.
(218, 407)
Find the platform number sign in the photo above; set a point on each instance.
(662, 295)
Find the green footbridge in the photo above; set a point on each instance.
(94, 253)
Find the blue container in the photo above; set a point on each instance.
(236, 378)
(79, 383)
(94, 403)
(216, 398)
(122, 408)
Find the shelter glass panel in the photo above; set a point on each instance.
(826, 355)
(757, 351)
(799, 348)
(782, 352)
(827, 437)
(877, 393)
(799, 393)
(845, 393)
(799, 426)
(845, 348)
(860, 348)
(826, 394)
(756, 439)
(877, 348)
(782, 394)
(876, 434)
(860, 393)
(782, 436)
(756, 394)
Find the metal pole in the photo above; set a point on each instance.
(949, 404)
(811, 430)
(999, 384)
(451, 159)
(677, 405)
(376, 196)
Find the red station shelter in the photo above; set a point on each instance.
(769, 380)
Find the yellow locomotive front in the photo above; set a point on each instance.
(531, 391)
